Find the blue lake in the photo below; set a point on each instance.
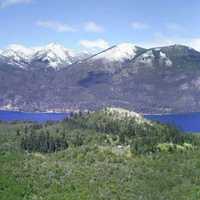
(189, 122)
(34, 117)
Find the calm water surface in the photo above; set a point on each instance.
(28, 116)
(189, 122)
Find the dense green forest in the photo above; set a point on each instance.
(111, 154)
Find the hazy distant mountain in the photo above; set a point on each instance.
(156, 80)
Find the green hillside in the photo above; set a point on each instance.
(110, 154)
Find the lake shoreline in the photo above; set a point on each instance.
(187, 122)
(76, 111)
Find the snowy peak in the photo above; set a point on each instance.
(58, 50)
(16, 55)
(55, 55)
(19, 49)
(119, 53)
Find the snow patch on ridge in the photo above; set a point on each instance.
(147, 57)
(120, 53)
(166, 60)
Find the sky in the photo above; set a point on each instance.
(90, 24)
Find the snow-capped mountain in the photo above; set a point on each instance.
(55, 55)
(16, 55)
(154, 57)
(155, 80)
(118, 53)
(52, 55)
(17, 51)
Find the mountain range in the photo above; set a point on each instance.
(54, 78)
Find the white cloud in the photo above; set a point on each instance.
(56, 26)
(93, 27)
(94, 44)
(7, 3)
(139, 25)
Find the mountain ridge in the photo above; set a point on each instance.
(55, 55)
(156, 80)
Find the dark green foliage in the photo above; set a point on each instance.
(143, 137)
(43, 142)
